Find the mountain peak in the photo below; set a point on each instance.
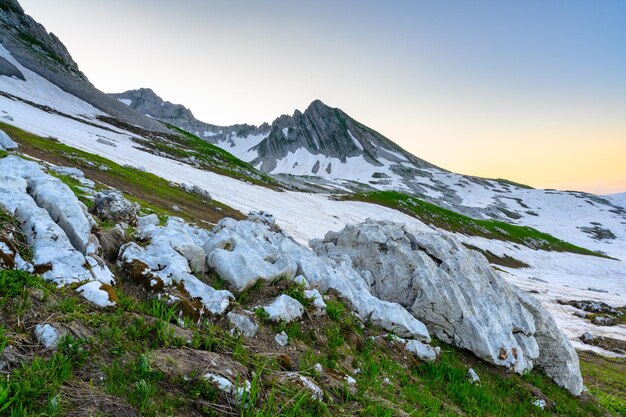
(318, 105)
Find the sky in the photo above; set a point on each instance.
(530, 91)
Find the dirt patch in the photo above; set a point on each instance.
(194, 363)
(87, 400)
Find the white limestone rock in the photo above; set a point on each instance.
(282, 339)
(318, 302)
(6, 143)
(452, 289)
(184, 238)
(95, 294)
(172, 249)
(150, 219)
(243, 323)
(47, 335)
(56, 225)
(422, 351)
(243, 252)
(456, 292)
(557, 358)
(472, 376)
(284, 308)
(293, 378)
(241, 257)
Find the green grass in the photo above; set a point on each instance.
(115, 364)
(516, 184)
(449, 220)
(150, 191)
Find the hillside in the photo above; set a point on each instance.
(174, 267)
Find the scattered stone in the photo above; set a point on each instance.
(47, 335)
(421, 351)
(97, 293)
(349, 380)
(590, 306)
(586, 338)
(176, 209)
(597, 290)
(540, 404)
(106, 142)
(318, 301)
(284, 308)
(472, 376)
(111, 205)
(304, 382)
(237, 389)
(604, 321)
(282, 339)
(6, 143)
(318, 368)
(194, 189)
(244, 324)
(221, 370)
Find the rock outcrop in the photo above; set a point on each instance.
(462, 300)
(43, 53)
(55, 223)
(243, 252)
(169, 259)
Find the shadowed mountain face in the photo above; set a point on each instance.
(43, 53)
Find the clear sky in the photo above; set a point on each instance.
(533, 91)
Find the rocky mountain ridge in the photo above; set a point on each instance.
(43, 53)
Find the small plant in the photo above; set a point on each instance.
(335, 310)
(3, 339)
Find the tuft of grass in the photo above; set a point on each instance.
(454, 222)
(13, 284)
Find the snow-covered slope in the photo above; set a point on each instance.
(619, 199)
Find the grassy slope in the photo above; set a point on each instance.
(110, 367)
(149, 190)
(455, 222)
(223, 162)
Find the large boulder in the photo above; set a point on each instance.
(452, 289)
